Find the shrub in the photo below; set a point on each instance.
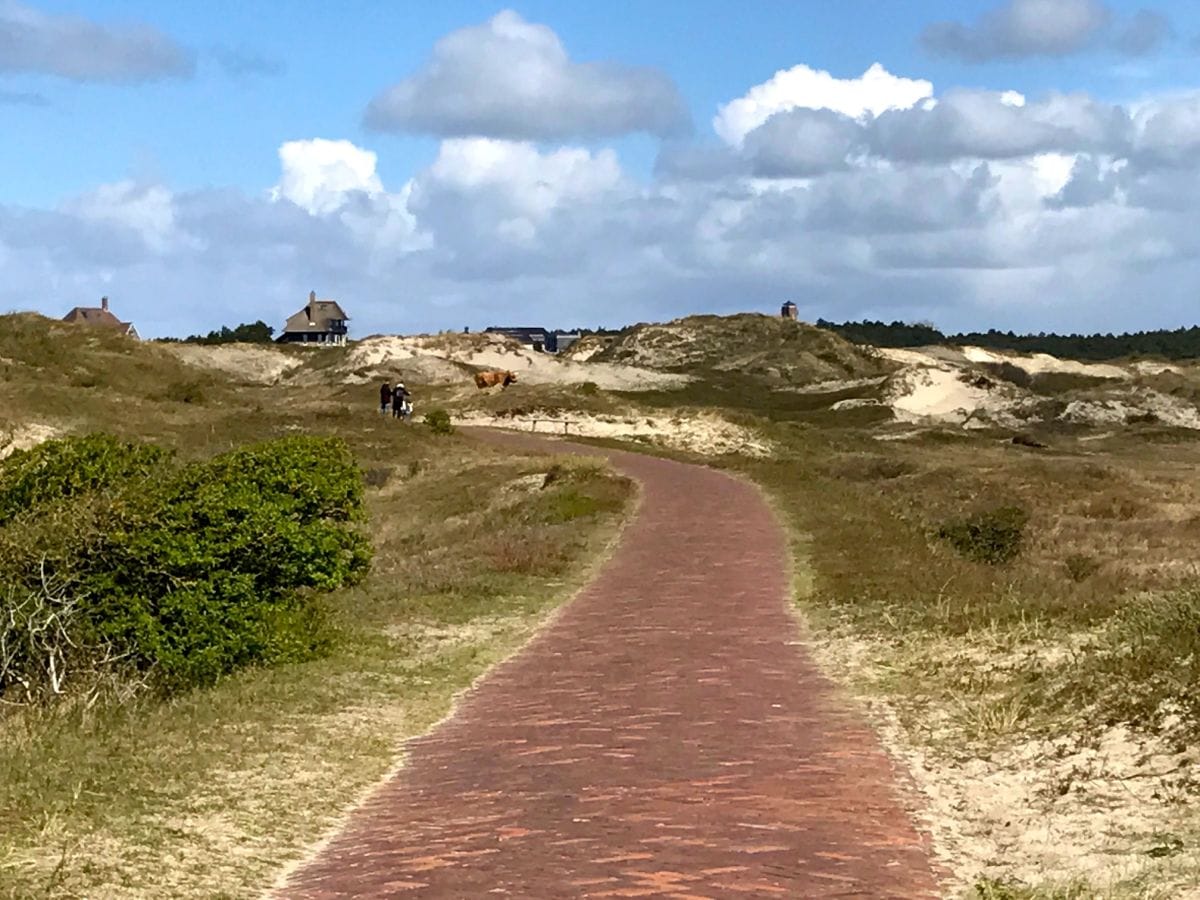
(212, 567)
(589, 388)
(191, 391)
(64, 468)
(438, 421)
(1010, 372)
(1081, 567)
(992, 537)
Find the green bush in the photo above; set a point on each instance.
(210, 568)
(60, 469)
(438, 421)
(993, 536)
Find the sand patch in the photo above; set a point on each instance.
(943, 393)
(1144, 406)
(25, 437)
(248, 363)
(703, 433)
(949, 385)
(1043, 363)
(1038, 811)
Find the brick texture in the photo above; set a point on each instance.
(666, 736)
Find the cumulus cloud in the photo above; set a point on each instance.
(972, 208)
(1021, 28)
(1090, 184)
(1169, 132)
(318, 174)
(509, 78)
(803, 142)
(337, 178)
(959, 125)
(801, 87)
(82, 50)
(986, 125)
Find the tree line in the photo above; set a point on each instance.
(1179, 343)
(247, 333)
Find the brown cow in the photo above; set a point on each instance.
(491, 379)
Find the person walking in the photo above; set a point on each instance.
(400, 398)
(385, 398)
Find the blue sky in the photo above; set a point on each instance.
(142, 141)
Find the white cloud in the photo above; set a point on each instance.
(975, 209)
(531, 181)
(318, 174)
(512, 79)
(82, 50)
(800, 87)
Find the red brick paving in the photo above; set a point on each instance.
(664, 737)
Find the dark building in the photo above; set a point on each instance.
(538, 339)
(320, 322)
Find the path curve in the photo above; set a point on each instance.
(665, 736)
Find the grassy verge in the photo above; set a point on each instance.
(1046, 702)
(208, 795)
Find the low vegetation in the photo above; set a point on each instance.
(1021, 615)
(119, 562)
(769, 350)
(237, 674)
(1036, 612)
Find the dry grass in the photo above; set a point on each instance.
(997, 680)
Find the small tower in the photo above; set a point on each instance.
(789, 311)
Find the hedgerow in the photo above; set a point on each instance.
(181, 578)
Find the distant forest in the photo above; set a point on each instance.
(1182, 343)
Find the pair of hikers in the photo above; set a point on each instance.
(397, 398)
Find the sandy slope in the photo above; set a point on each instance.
(954, 386)
(252, 363)
(447, 358)
(704, 433)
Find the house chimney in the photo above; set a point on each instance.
(312, 296)
(104, 303)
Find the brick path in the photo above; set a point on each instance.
(664, 737)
